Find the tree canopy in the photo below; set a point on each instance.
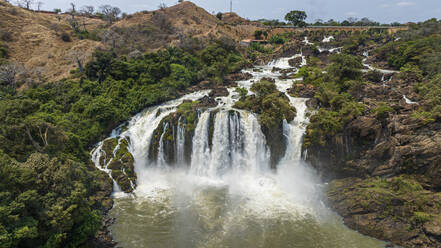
(296, 18)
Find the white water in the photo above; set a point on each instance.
(408, 101)
(328, 39)
(227, 186)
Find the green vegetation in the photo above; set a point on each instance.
(4, 53)
(334, 91)
(50, 194)
(278, 39)
(122, 164)
(272, 107)
(296, 18)
(46, 202)
(382, 111)
(418, 56)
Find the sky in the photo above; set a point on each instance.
(384, 11)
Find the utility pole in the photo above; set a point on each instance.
(231, 6)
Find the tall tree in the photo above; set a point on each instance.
(296, 18)
(39, 4)
(27, 3)
(110, 13)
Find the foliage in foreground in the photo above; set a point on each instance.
(49, 193)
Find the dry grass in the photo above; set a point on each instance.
(36, 41)
(36, 37)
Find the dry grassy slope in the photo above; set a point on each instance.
(35, 42)
(38, 46)
(193, 21)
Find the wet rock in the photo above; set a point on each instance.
(433, 227)
(275, 69)
(219, 92)
(233, 78)
(272, 80)
(302, 90)
(385, 209)
(312, 103)
(295, 62)
(206, 102)
(120, 161)
(309, 51)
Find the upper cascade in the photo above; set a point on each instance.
(211, 137)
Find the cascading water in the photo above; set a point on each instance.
(227, 196)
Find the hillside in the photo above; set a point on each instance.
(34, 38)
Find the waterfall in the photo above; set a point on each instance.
(227, 195)
(201, 147)
(180, 142)
(296, 130)
(237, 144)
(161, 156)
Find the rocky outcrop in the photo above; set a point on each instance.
(302, 90)
(120, 161)
(295, 62)
(384, 167)
(273, 108)
(166, 134)
(396, 209)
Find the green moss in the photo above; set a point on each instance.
(421, 217)
(382, 111)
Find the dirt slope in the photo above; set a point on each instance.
(35, 40)
(36, 37)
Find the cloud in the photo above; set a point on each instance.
(405, 4)
(385, 5)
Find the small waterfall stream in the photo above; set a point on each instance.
(227, 196)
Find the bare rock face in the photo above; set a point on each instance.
(295, 62)
(396, 209)
(302, 90)
(219, 91)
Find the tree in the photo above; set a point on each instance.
(296, 18)
(57, 11)
(28, 3)
(39, 4)
(110, 13)
(8, 74)
(88, 10)
(258, 34)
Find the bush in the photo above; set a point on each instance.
(421, 217)
(345, 67)
(258, 47)
(3, 52)
(374, 76)
(6, 36)
(65, 37)
(382, 111)
(278, 39)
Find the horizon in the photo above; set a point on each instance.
(377, 10)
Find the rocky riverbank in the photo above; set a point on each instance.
(383, 167)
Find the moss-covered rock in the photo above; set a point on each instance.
(396, 209)
(120, 161)
(186, 116)
(272, 107)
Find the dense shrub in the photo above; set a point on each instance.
(65, 37)
(50, 196)
(278, 39)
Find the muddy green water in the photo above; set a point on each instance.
(175, 213)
